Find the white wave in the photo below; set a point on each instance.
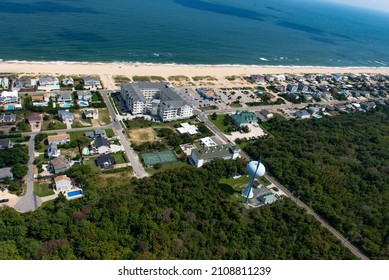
(381, 63)
(263, 59)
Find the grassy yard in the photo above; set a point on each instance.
(53, 125)
(219, 123)
(92, 163)
(234, 187)
(42, 189)
(78, 134)
(119, 157)
(83, 123)
(104, 117)
(236, 104)
(109, 132)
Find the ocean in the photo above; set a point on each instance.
(250, 32)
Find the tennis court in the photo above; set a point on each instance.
(151, 159)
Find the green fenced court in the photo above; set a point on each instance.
(151, 159)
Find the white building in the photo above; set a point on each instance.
(92, 82)
(9, 97)
(201, 156)
(62, 183)
(4, 83)
(157, 99)
(48, 83)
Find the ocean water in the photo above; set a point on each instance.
(255, 32)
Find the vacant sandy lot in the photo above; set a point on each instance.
(141, 135)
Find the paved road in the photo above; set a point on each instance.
(132, 156)
(325, 224)
(30, 201)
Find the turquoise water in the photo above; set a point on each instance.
(83, 103)
(266, 32)
(10, 107)
(66, 105)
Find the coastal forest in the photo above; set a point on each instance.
(175, 214)
(340, 167)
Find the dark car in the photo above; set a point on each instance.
(4, 200)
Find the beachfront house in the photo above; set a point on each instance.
(84, 96)
(91, 113)
(7, 119)
(63, 97)
(48, 83)
(200, 156)
(7, 97)
(259, 79)
(62, 183)
(68, 81)
(65, 116)
(23, 83)
(4, 83)
(92, 82)
(59, 139)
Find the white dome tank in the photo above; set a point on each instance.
(252, 167)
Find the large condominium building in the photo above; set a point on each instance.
(156, 99)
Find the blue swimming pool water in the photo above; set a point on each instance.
(66, 105)
(74, 193)
(83, 103)
(11, 107)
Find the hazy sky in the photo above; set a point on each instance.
(382, 5)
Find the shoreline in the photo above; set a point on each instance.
(108, 70)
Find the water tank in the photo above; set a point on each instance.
(252, 167)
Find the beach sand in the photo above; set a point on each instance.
(107, 70)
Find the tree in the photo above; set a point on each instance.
(19, 170)
(214, 116)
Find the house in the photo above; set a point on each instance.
(65, 116)
(302, 114)
(9, 97)
(59, 164)
(64, 96)
(292, 87)
(269, 78)
(48, 83)
(58, 139)
(91, 113)
(92, 82)
(105, 161)
(95, 134)
(62, 183)
(101, 145)
(242, 118)
(207, 142)
(7, 119)
(4, 83)
(6, 173)
(35, 120)
(302, 87)
(84, 96)
(313, 110)
(200, 156)
(259, 79)
(5, 143)
(187, 128)
(266, 114)
(53, 151)
(23, 83)
(68, 81)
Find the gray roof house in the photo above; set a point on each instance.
(5, 143)
(84, 96)
(105, 161)
(65, 116)
(96, 133)
(59, 164)
(203, 155)
(92, 82)
(302, 114)
(6, 173)
(101, 145)
(7, 119)
(53, 151)
(64, 96)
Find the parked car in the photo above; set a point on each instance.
(4, 200)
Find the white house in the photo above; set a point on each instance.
(91, 113)
(68, 81)
(62, 183)
(201, 156)
(9, 97)
(101, 145)
(4, 83)
(48, 83)
(92, 82)
(65, 116)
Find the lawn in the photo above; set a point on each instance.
(82, 123)
(141, 135)
(78, 134)
(92, 163)
(219, 123)
(119, 157)
(53, 125)
(110, 133)
(104, 117)
(42, 189)
(236, 104)
(167, 166)
(234, 187)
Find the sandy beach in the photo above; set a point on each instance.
(106, 70)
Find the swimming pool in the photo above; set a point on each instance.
(66, 105)
(83, 103)
(10, 107)
(74, 193)
(85, 151)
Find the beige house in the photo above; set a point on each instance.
(58, 139)
(62, 183)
